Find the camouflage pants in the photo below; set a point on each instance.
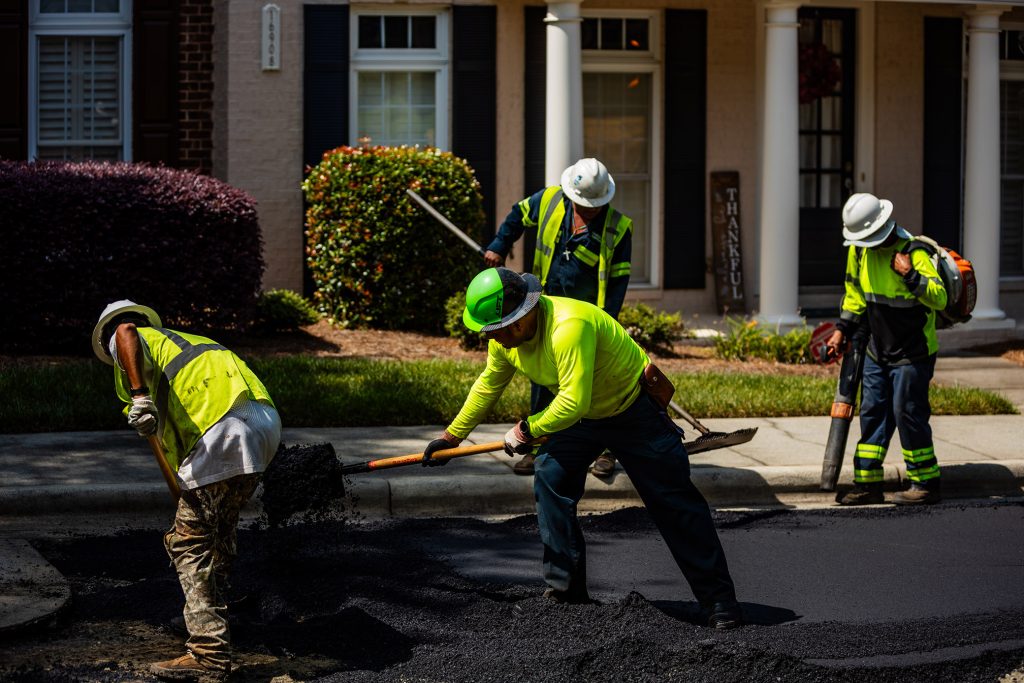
(202, 544)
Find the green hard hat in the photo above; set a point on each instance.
(497, 297)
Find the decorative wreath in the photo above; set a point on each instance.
(819, 72)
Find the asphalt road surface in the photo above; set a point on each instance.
(880, 594)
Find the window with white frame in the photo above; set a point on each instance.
(79, 79)
(1011, 157)
(399, 83)
(621, 119)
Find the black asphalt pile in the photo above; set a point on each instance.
(373, 604)
(303, 482)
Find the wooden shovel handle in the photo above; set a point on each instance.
(414, 458)
(165, 467)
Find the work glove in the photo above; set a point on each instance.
(142, 415)
(443, 442)
(518, 440)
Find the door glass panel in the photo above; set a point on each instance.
(831, 113)
(808, 190)
(617, 131)
(808, 150)
(831, 191)
(809, 115)
(832, 35)
(831, 151)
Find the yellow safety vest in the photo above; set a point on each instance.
(552, 212)
(197, 381)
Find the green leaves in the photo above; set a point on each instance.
(376, 258)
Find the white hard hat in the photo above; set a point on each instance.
(99, 344)
(867, 221)
(588, 183)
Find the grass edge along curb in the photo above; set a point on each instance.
(313, 391)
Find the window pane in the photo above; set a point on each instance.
(79, 5)
(396, 88)
(831, 151)
(617, 130)
(636, 34)
(369, 32)
(808, 151)
(107, 6)
(1011, 242)
(371, 88)
(808, 190)
(396, 32)
(832, 35)
(424, 32)
(588, 34)
(79, 90)
(809, 115)
(53, 6)
(611, 34)
(407, 109)
(831, 191)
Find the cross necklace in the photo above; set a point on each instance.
(576, 227)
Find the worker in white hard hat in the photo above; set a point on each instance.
(219, 430)
(583, 252)
(893, 289)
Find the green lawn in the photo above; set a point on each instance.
(346, 392)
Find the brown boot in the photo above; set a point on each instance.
(186, 668)
(919, 494)
(604, 466)
(864, 494)
(525, 464)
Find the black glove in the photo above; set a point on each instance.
(518, 439)
(439, 444)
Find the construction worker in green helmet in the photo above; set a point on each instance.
(583, 251)
(219, 430)
(606, 394)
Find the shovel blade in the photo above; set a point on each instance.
(715, 440)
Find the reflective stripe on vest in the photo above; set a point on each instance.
(189, 352)
(615, 227)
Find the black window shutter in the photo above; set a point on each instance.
(325, 86)
(14, 55)
(155, 82)
(685, 139)
(943, 97)
(474, 98)
(534, 88)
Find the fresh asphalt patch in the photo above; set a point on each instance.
(459, 600)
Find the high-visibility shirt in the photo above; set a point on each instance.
(590, 265)
(579, 353)
(197, 381)
(899, 310)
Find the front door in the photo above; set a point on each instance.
(826, 139)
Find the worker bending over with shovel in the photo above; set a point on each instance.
(606, 394)
(218, 429)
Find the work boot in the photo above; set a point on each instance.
(604, 466)
(186, 668)
(725, 615)
(525, 464)
(864, 494)
(920, 494)
(570, 597)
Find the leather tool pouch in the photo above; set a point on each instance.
(657, 385)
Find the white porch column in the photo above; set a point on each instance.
(780, 169)
(981, 168)
(563, 140)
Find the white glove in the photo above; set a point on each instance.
(518, 439)
(142, 415)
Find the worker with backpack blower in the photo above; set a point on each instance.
(896, 290)
(583, 252)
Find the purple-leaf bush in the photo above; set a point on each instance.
(76, 236)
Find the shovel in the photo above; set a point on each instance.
(413, 458)
(709, 440)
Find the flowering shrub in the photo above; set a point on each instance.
(77, 236)
(377, 258)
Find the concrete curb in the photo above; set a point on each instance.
(34, 592)
(502, 494)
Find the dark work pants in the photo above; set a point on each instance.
(896, 397)
(653, 456)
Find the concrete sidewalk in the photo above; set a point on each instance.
(89, 473)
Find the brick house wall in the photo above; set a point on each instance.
(195, 87)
